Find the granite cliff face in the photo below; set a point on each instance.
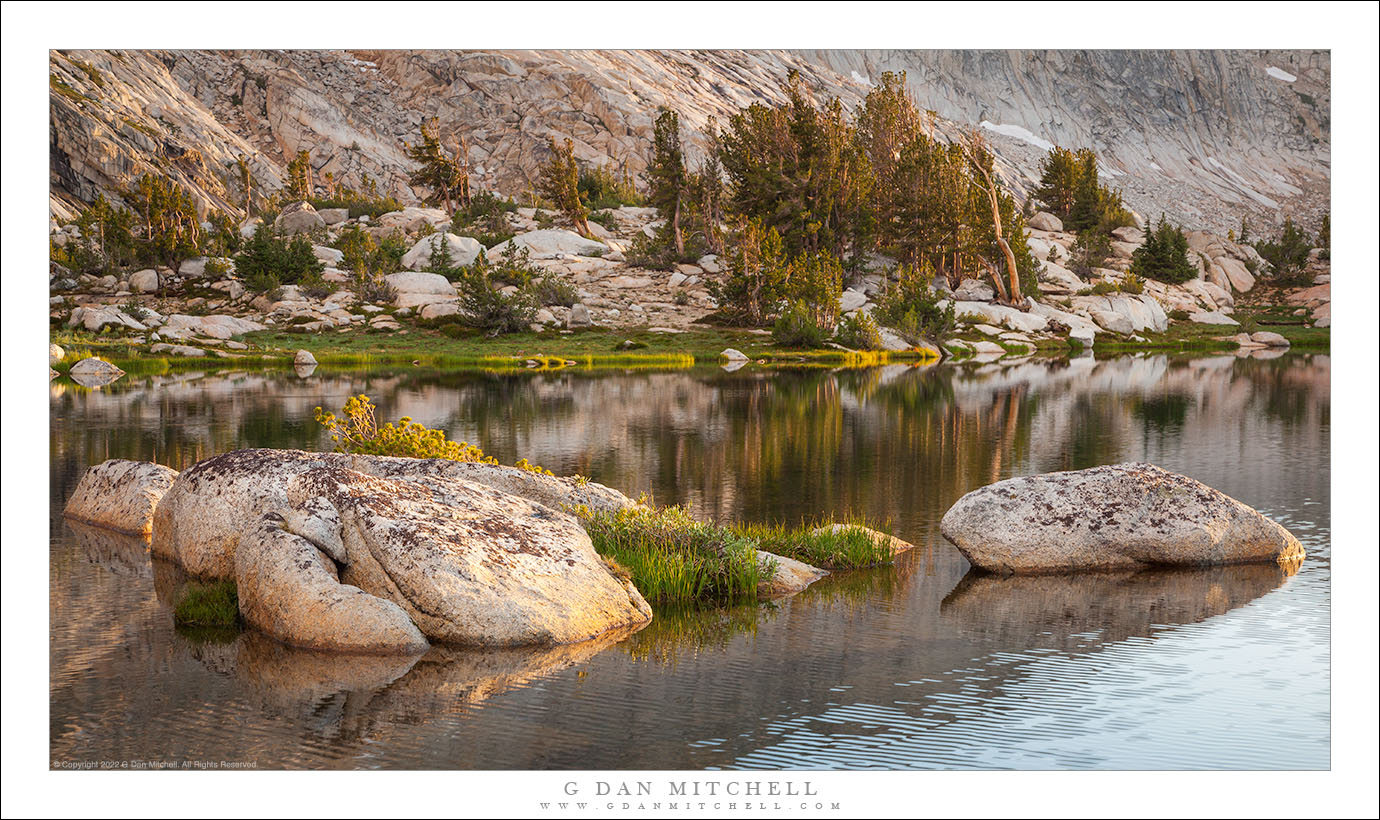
(1205, 136)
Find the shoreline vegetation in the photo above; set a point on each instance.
(600, 348)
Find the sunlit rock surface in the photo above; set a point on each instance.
(120, 495)
(1126, 516)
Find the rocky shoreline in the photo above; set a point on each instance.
(190, 313)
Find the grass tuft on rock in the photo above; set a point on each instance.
(821, 544)
(208, 606)
(674, 559)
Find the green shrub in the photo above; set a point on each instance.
(859, 332)
(910, 305)
(601, 188)
(268, 261)
(1090, 251)
(652, 253)
(796, 327)
(550, 289)
(1287, 254)
(490, 310)
(1164, 256)
(605, 220)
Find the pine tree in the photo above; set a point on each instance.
(166, 228)
(800, 169)
(559, 184)
(667, 179)
(299, 177)
(1286, 254)
(447, 178)
(889, 127)
(1058, 178)
(1086, 211)
(757, 275)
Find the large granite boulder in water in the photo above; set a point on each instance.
(201, 520)
(291, 590)
(469, 564)
(464, 553)
(1125, 516)
(120, 495)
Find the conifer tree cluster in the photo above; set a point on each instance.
(690, 200)
(1287, 254)
(1164, 256)
(157, 224)
(1071, 190)
(299, 185)
(808, 192)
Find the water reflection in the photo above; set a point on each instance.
(918, 664)
(1020, 612)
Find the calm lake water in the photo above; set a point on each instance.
(918, 665)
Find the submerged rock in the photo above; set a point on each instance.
(1125, 516)
(120, 495)
(790, 576)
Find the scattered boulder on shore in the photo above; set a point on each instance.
(1124, 516)
(55, 354)
(120, 495)
(1045, 221)
(304, 358)
(550, 242)
(579, 316)
(1269, 339)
